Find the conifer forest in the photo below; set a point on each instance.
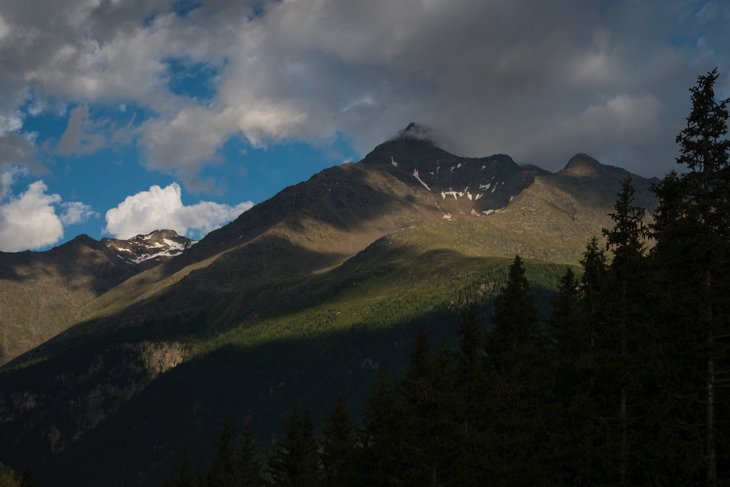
(624, 383)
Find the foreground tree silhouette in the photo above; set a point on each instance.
(522, 380)
(692, 230)
(294, 460)
(340, 449)
(624, 335)
(222, 472)
(248, 463)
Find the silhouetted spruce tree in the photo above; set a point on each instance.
(222, 471)
(340, 449)
(248, 463)
(471, 389)
(294, 458)
(419, 405)
(625, 342)
(522, 378)
(565, 325)
(383, 419)
(516, 317)
(692, 228)
(435, 440)
(592, 284)
(569, 332)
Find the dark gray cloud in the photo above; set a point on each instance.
(537, 80)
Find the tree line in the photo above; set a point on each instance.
(623, 384)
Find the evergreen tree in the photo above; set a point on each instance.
(565, 325)
(572, 326)
(520, 371)
(383, 420)
(222, 472)
(472, 387)
(624, 337)
(340, 450)
(692, 228)
(248, 464)
(294, 459)
(516, 317)
(593, 284)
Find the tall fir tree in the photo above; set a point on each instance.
(523, 381)
(383, 420)
(248, 462)
(340, 449)
(565, 326)
(692, 228)
(222, 472)
(624, 337)
(294, 458)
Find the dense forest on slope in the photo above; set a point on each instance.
(623, 386)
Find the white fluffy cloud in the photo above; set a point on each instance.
(162, 208)
(30, 221)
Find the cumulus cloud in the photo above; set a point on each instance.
(30, 221)
(162, 208)
(500, 76)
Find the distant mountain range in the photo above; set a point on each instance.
(136, 349)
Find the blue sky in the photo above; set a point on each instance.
(118, 117)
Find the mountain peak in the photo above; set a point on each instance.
(582, 165)
(418, 132)
(154, 247)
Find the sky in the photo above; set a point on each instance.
(119, 117)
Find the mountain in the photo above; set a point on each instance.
(303, 297)
(43, 293)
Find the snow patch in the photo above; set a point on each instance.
(174, 245)
(415, 174)
(485, 186)
(489, 212)
(393, 162)
(447, 216)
